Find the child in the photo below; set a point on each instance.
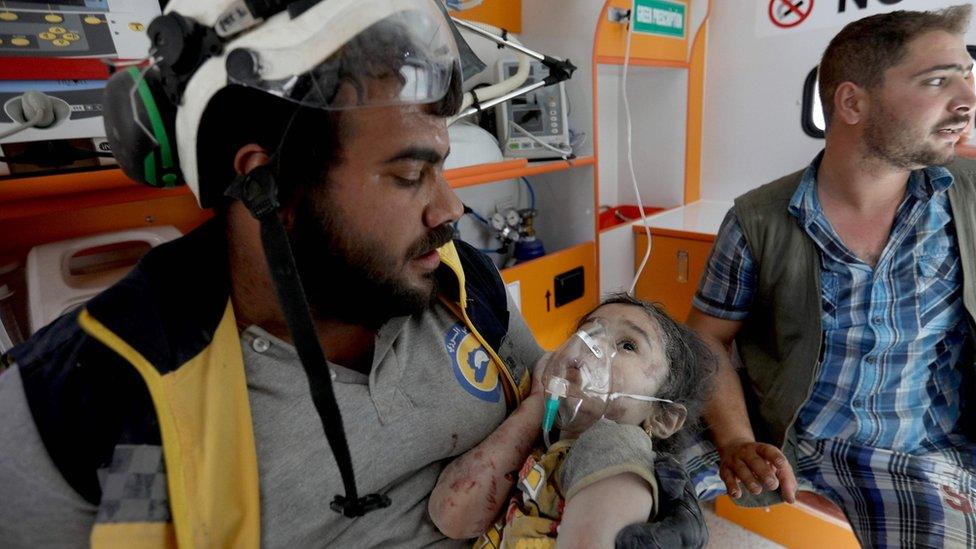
(599, 477)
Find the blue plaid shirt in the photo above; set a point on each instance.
(894, 336)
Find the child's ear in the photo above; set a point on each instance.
(665, 420)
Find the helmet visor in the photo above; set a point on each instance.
(388, 52)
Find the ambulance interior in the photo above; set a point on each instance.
(642, 150)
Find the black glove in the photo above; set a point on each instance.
(679, 521)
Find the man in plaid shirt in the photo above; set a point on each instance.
(849, 291)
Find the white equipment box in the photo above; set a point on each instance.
(541, 112)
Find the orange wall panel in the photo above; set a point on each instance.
(693, 133)
(550, 324)
(506, 14)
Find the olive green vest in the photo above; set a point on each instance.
(781, 342)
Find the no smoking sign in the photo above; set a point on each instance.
(789, 13)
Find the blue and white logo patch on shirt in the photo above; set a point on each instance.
(473, 367)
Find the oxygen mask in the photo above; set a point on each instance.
(582, 386)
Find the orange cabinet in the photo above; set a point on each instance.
(673, 270)
(41, 209)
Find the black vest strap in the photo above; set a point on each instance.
(258, 191)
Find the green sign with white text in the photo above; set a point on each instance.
(659, 17)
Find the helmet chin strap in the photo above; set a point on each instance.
(258, 190)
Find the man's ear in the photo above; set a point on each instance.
(666, 420)
(850, 103)
(248, 157)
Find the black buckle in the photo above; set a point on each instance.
(505, 38)
(359, 507)
(257, 190)
(559, 70)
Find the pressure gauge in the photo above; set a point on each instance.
(497, 221)
(513, 218)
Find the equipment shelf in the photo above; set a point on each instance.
(30, 196)
(510, 169)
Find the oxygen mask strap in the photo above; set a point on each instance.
(642, 398)
(258, 191)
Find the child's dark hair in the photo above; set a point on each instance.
(692, 366)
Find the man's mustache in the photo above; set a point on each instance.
(434, 239)
(953, 121)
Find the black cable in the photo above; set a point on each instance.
(70, 156)
(475, 102)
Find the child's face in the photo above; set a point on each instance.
(640, 366)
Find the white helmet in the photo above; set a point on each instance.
(302, 52)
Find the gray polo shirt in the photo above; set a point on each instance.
(426, 400)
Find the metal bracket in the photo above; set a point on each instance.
(559, 69)
(618, 15)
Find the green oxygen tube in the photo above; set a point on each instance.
(556, 388)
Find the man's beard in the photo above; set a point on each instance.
(898, 144)
(356, 282)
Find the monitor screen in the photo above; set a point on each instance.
(530, 119)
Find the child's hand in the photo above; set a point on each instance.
(758, 466)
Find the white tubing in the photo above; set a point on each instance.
(630, 165)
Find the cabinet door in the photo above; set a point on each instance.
(672, 272)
